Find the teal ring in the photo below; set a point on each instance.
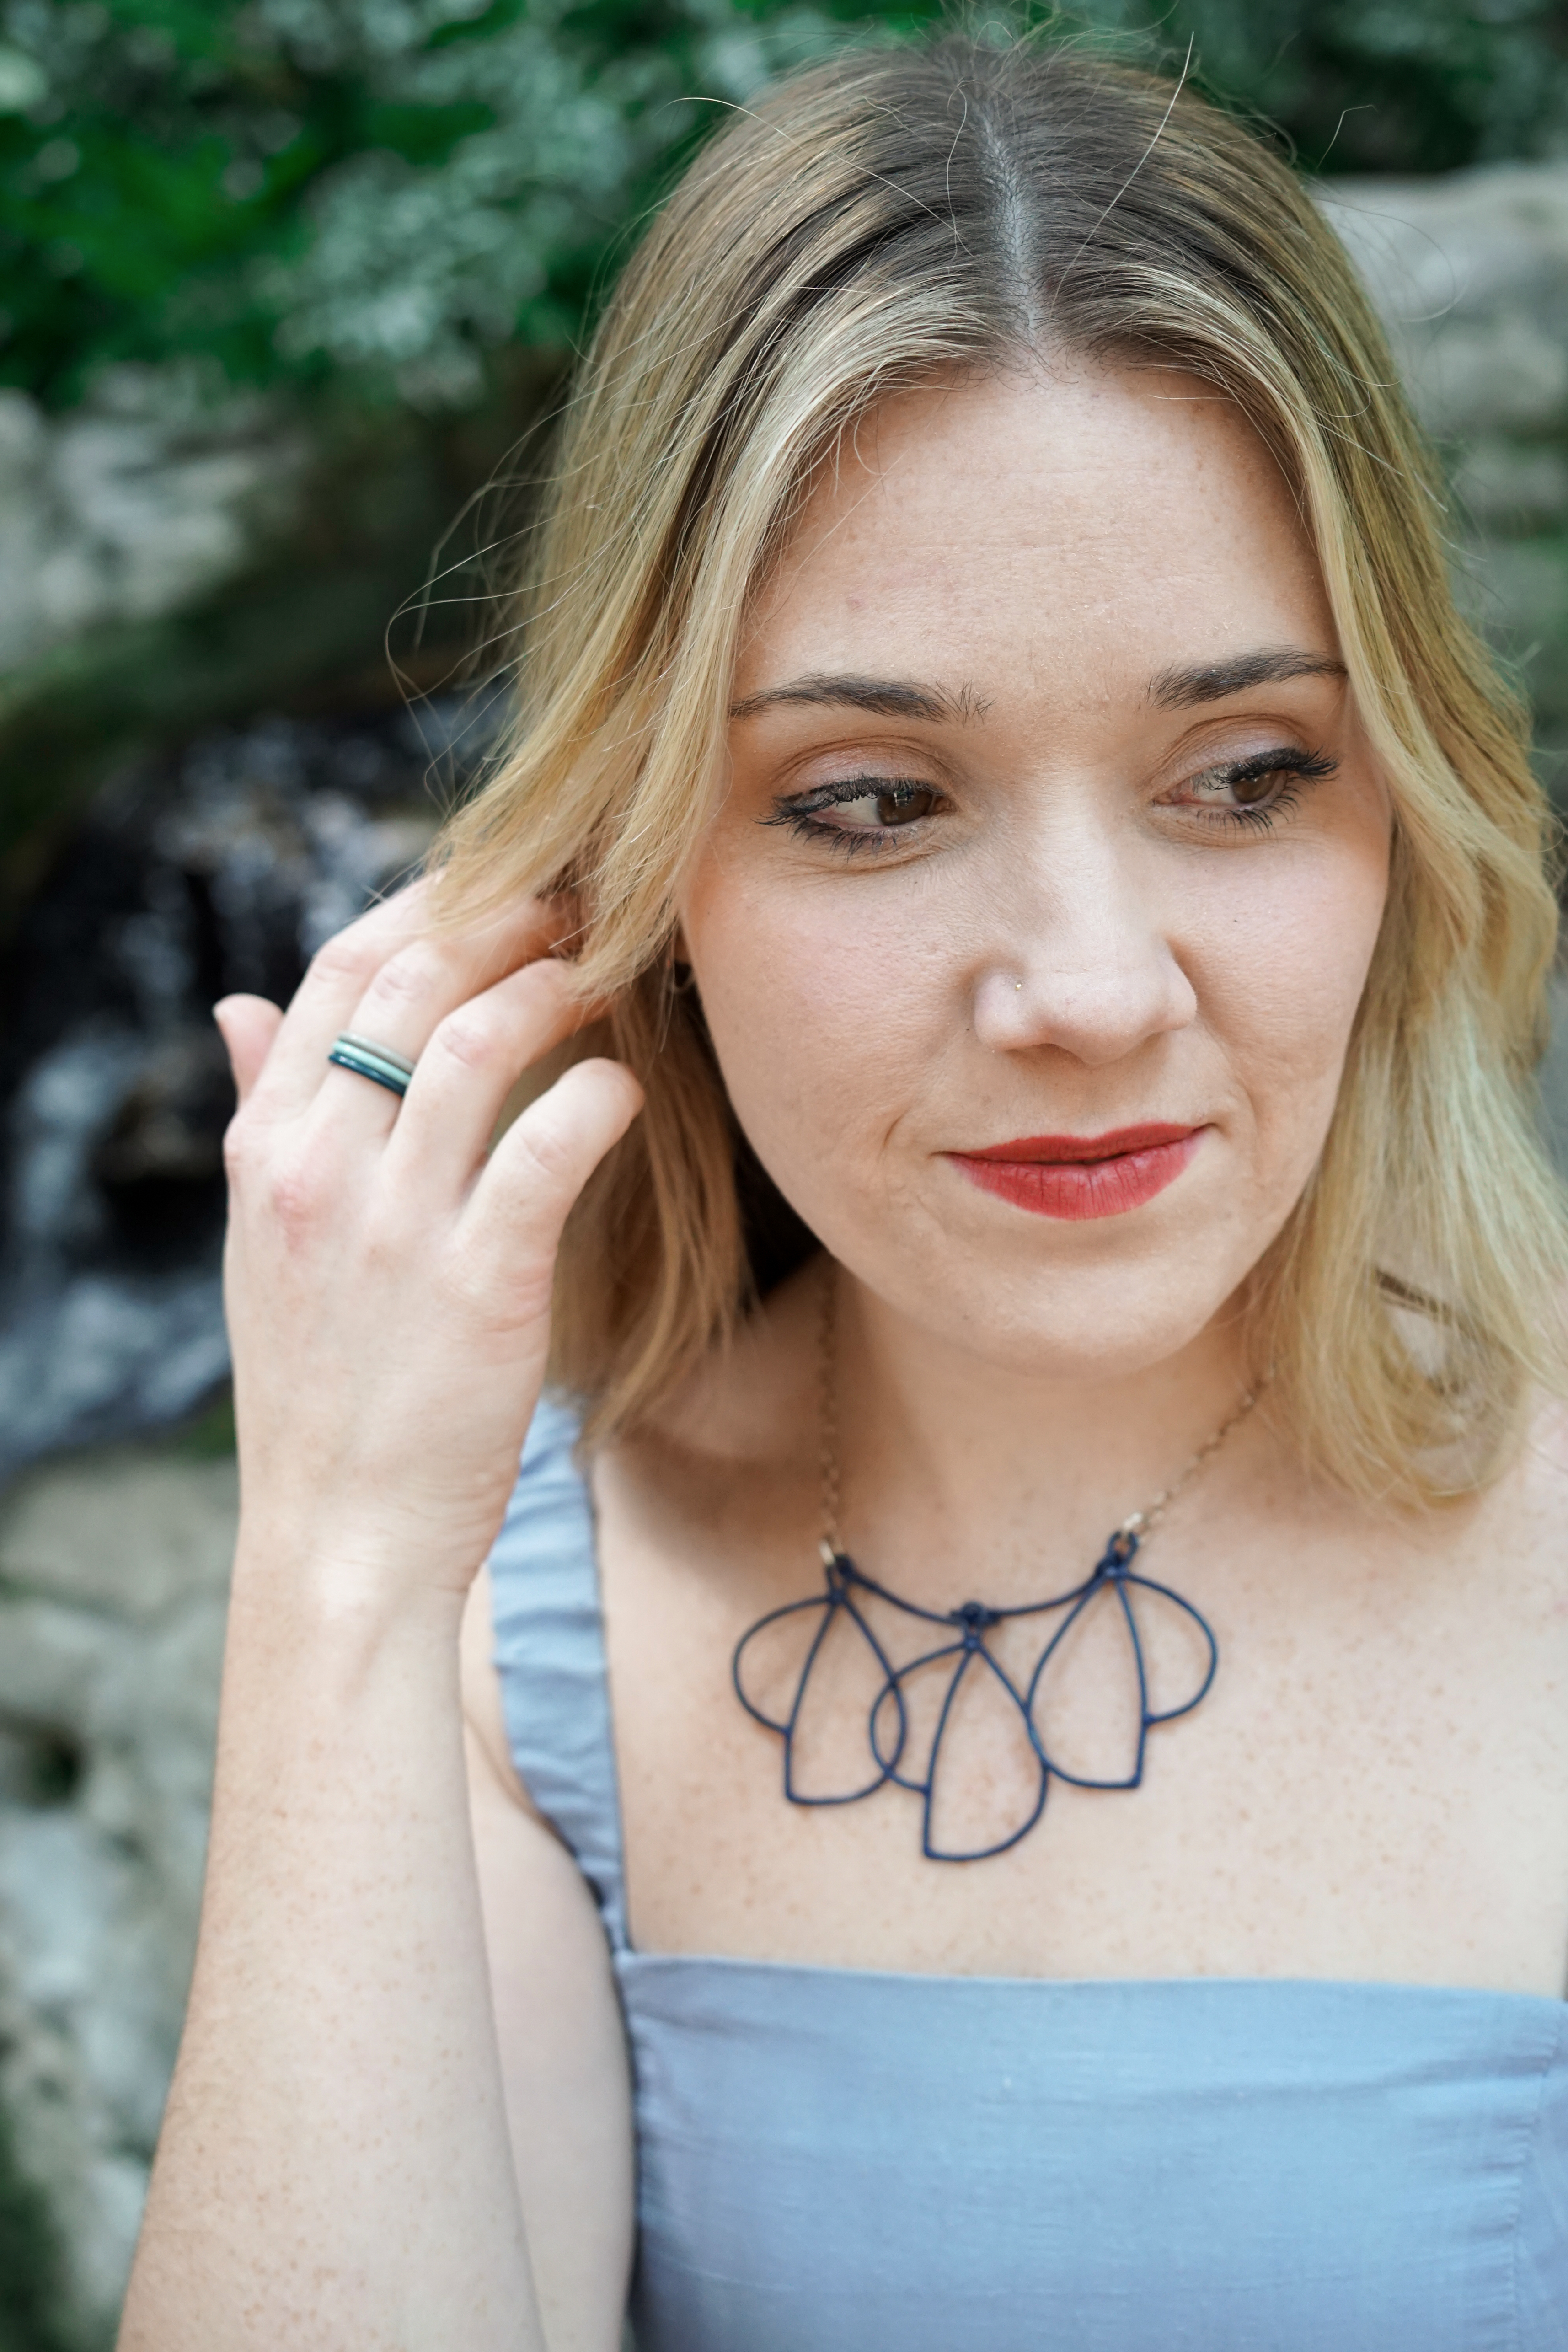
(367, 1060)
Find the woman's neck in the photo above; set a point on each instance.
(944, 1455)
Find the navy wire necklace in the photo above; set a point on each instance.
(961, 1648)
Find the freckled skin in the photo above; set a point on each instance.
(1052, 922)
(1061, 910)
(1045, 547)
(1071, 933)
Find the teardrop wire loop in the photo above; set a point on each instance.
(834, 1601)
(971, 1621)
(1114, 1573)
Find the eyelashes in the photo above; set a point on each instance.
(1296, 769)
(904, 794)
(906, 804)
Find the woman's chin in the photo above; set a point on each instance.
(1103, 1319)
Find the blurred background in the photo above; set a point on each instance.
(286, 290)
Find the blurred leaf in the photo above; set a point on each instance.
(386, 191)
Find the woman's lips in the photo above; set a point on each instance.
(1083, 1175)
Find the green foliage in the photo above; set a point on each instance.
(383, 190)
(387, 187)
(209, 1437)
(1389, 85)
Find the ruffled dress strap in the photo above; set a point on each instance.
(550, 1654)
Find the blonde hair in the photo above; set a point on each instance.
(867, 223)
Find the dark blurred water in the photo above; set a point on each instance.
(221, 869)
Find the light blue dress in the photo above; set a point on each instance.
(838, 2161)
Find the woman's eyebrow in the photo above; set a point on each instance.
(1180, 689)
(1171, 689)
(886, 697)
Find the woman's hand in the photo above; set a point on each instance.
(335, 2168)
(388, 1277)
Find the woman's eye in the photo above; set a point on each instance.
(862, 810)
(1256, 789)
(1220, 789)
(888, 807)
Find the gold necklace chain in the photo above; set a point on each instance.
(1137, 1523)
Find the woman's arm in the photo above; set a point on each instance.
(334, 2173)
(558, 2016)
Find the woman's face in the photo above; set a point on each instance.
(1032, 925)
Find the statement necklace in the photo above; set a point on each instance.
(964, 1652)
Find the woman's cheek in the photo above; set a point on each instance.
(1279, 991)
(822, 1032)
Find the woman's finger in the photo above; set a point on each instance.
(337, 977)
(514, 1218)
(247, 1025)
(414, 989)
(467, 1069)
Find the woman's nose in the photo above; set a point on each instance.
(1086, 967)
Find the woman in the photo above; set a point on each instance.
(1033, 907)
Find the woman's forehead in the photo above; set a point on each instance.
(1129, 522)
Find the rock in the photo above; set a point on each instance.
(1511, 488)
(135, 504)
(174, 558)
(1518, 590)
(1470, 273)
(113, 1577)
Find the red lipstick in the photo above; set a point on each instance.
(1076, 1176)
